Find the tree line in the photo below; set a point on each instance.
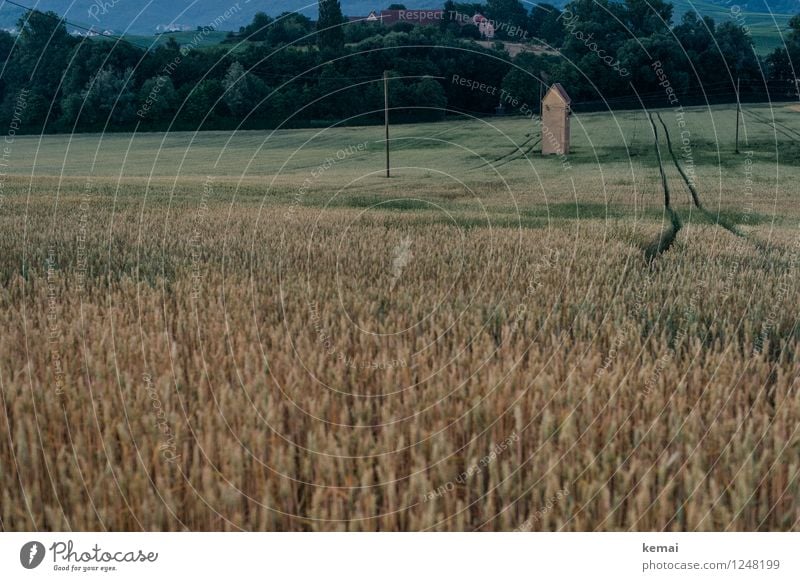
(290, 71)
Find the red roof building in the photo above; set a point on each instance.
(428, 17)
(484, 25)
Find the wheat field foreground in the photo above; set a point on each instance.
(258, 331)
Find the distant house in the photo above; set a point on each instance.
(555, 121)
(431, 18)
(484, 25)
(161, 28)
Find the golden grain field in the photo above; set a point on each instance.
(217, 346)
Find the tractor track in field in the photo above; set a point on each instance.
(664, 242)
(781, 128)
(518, 150)
(667, 237)
(522, 155)
(719, 220)
(687, 181)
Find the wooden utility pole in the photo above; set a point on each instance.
(738, 113)
(543, 78)
(541, 86)
(386, 117)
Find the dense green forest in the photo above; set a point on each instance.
(291, 71)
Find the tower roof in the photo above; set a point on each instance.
(559, 89)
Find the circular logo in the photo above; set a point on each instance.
(31, 554)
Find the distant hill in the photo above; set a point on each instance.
(765, 25)
(766, 6)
